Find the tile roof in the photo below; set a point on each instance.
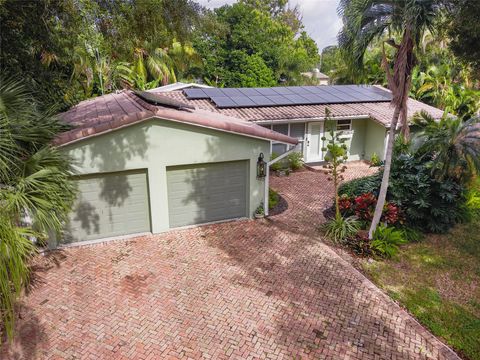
(109, 112)
(381, 112)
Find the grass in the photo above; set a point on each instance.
(438, 281)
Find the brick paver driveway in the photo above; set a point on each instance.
(267, 289)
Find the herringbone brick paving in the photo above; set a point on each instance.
(267, 289)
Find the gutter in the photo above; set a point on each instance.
(267, 178)
(286, 121)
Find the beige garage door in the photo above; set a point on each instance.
(110, 205)
(207, 192)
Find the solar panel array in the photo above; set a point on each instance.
(289, 95)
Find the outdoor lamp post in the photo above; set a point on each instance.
(261, 167)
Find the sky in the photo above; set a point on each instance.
(319, 17)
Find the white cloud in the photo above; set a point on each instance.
(319, 17)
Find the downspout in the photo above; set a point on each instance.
(267, 177)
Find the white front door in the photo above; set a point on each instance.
(314, 142)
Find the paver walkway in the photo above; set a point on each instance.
(267, 289)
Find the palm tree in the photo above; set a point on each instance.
(368, 20)
(151, 67)
(454, 144)
(36, 193)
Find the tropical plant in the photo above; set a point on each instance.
(386, 241)
(375, 160)
(359, 186)
(368, 20)
(339, 229)
(273, 198)
(36, 193)
(295, 160)
(335, 157)
(453, 144)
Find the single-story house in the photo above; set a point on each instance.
(148, 163)
(153, 161)
(318, 77)
(362, 112)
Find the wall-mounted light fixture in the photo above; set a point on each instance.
(261, 167)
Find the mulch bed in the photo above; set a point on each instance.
(281, 206)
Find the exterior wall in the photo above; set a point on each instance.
(156, 144)
(374, 139)
(355, 139)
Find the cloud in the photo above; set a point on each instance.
(319, 17)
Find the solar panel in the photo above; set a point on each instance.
(193, 94)
(223, 101)
(214, 92)
(243, 101)
(262, 101)
(266, 91)
(249, 92)
(289, 95)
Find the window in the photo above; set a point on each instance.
(295, 130)
(344, 124)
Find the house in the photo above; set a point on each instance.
(318, 77)
(147, 163)
(362, 112)
(157, 160)
(179, 86)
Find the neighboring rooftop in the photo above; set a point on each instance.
(109, 112)
(179, 86)
(379, 109)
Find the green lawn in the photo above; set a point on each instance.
(438, 281)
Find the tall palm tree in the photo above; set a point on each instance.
(365, 21)
(454, 144)
(36, 193)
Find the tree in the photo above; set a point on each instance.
(464, 31)
(367, 20)
(36, 193)
(254, 32)
(454, 144)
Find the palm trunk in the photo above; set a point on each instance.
(386, 174)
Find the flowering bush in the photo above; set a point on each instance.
(346, 205)
(363, 207)
(391, 214)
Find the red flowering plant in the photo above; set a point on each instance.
(346, 205)
(365, 206)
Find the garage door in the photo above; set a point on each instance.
(208, 192)
(110, 205)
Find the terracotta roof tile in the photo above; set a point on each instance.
(113, 111)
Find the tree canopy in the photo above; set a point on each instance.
(69, 50)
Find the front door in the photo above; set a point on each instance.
(314, 142)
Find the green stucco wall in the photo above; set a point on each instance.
(156, 144)
(365, 138)
(374, 139)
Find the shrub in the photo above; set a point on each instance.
(295, 160)
(346, 205)
(356, 187)
(360, 244)
(386, 240)
(428, 204)
(365, 206)
(375, 160)
(273, 198)
(340, 229)
(278, 165)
